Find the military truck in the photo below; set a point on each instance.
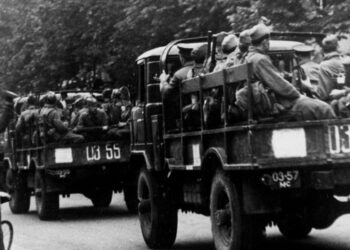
(244, 174)
(95, 168)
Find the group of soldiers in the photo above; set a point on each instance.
(317, 91)
(75, 118)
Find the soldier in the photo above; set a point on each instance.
(109, 106)
(229, 46)
(220, 57)
(199, 54)
(93, 121)
(25, 122)
(310, 68)
(285, 93)
(6, 108)
(332, 77)
(243, 47)
(332, 72)
(55, 129)
(170, 89)
(122, 111)
(191, 112)
(78, 109)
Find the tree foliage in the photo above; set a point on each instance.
(43, 42)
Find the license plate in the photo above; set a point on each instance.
(283, 179)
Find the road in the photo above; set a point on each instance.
(81, 227)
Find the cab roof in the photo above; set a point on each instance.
(275, 45)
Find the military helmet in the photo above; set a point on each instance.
(91, 101)
(106, 93)
(51, 98)
(115, 94)
(31, 100)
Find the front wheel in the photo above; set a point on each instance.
(20, 194)
(47, 203)
(158, 218)
(232, 230)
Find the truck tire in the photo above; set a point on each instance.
(101, 198)
(20, 194)
(231, 229)
(294, 227)
(158, 218)
(47, 203)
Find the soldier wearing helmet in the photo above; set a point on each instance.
(121, 113)
(6, 108)
(266, 75)
(54, 128)
(26, 121)
(92, 121)
(169, 88)
(109, 106)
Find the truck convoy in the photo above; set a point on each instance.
(244, 174)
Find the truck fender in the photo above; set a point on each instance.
(138, 159)
(214, 154)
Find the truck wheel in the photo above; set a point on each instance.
(20, 194)
(231, 229)
(101, 198)
(158, 219)
(47, 203)
(294, 227)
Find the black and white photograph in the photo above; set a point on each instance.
(174, 124)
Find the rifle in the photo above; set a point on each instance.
(209, 40)
(212, 55)
(303, 81)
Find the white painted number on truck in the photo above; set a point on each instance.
(112, 152)
(93, 153)
(339, 139)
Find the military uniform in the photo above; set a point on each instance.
(312, 71)
(94, 120)
(122, 120)
(6, 108)
(286, 94)
(171, 93)
(330, 68)
(56, 130)
(26, 123)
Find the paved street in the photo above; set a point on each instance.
(81, 227)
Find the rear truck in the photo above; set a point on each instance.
(95, 169)
(245, 174)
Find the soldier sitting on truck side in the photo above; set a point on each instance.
(220, 57)
(170, 89)
(289, 100)
(78, 109)
(229, 46)
(244, 42)
(190, 112)
(26, 122)
(332, 86)
(92, 122)
(53, 128)
(120, 111)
